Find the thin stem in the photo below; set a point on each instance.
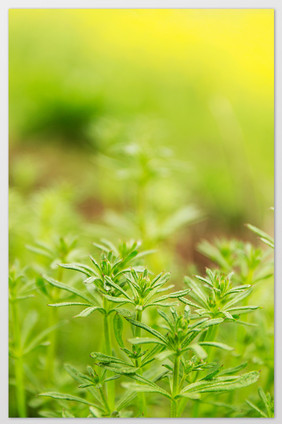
(196, 409)
(175, 387)
(53, 319)
(102, 393)
(181, 406)
(19, 371)
(138, 332)
(51, 355)
(211, 335)
(108, 350)
(142, 397)
(108, 345)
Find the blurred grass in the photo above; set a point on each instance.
(204, 76)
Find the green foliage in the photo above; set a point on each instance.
(173, 358)
(178, 344)
(218, 297)
(267, 403)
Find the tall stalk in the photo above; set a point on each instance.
(53, 319)
(108, 350)
(103, 397)
(19, 371)
(51, 353)
(175, 388)
(142, 397)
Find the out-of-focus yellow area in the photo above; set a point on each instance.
(231, 44)
(202, 78)
(234, 44)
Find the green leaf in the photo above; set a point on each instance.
(94, 412)
(147, 385)
(125, 400)
(116, 286)
(114, 299)
(199, 351)
(70, 289)
(106, 359)
(39, 251)
(177, 294)
(206, 281)
(28, 324)
(263, 236)
(237, 289)
(237, 298)
(75, 374)
(118, 328)
(65, 396)
(211, 322)
(101, 247)
(86, 312)
(145, 388)
(110, 245)
(266, 402)
(41, 336)
(256, 409)
(147, 328)
(58, 305)
(243, 309)
(222, 384)
(216, 344)
(120, 369)
(233, 370)
(213, 253)
(67, 414)
(188, 302)
(78, 267)
(144, 340)
(40, 284)
(196, 293)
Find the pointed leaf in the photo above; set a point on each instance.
(86, 312)
(70, 289)
(147, 328)
(216, 344)
(118, 328)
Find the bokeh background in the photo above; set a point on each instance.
(200, 82)
(148, 124)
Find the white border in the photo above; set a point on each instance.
(150, 4)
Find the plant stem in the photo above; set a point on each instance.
(196, 409)
(173, 406)
(19, 371)
(211, 335)
(138, 332)
(108, 350)
(51, 354)
(142, 397)
(102, 393)
(53, 319)
(108, 347)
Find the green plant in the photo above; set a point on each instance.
(172, 359)
(267, 403)
(23, 340)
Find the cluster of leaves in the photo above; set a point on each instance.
(23, 339)
(171, 358)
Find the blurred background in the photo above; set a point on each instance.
(197, 82)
